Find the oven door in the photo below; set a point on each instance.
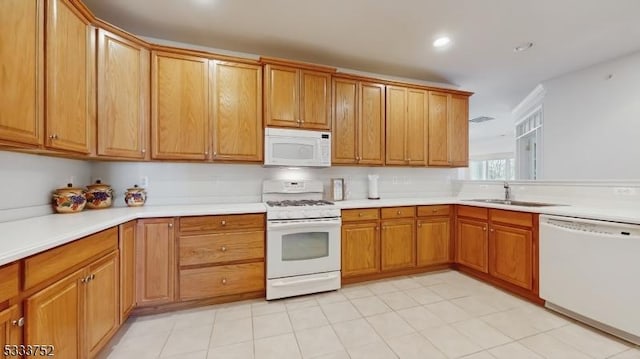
(305, 246)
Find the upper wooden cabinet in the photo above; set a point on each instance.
(237, 111)
(297, 96)
(123, 97)
(448, 129)
(21, 63)
(358, 122)
(70, 78)
(406, 126)
(179, 106)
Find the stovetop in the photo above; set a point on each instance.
(299, 203)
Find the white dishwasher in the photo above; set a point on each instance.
(590, 270)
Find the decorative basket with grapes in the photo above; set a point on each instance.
(69, 199)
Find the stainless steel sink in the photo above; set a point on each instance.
(514, 203)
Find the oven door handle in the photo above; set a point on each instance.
(304, 224)
(303, 281)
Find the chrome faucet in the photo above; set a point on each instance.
(507, 191)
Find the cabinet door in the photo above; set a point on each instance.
(417, 127)
(155, 261)
(102, 311)
(70, 53)
(123, 97)
(127, 247)
(433, 241)
(459, 130)
(21, 116)
(360, 249)
(438, 129)
(53, 316)
(371, 124)
(179, 106)
(511, 255)
(237, 111)
(282, 96)
(396, 125)
(315, 96)
(10, 330)
(345, 134)
(472, 244)
(398, 244)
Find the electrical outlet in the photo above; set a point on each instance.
(144, 181)
(624, 191)
(406, 180)
(395, 180)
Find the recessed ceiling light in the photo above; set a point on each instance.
(441, 41)
(523, 47)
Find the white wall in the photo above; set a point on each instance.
(592, 122)
(186, 183)
(26, 182)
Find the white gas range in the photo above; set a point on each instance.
(303, 239)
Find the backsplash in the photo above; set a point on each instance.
(198, 183)
(26, 182)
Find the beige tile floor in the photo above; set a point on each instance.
(437, 315)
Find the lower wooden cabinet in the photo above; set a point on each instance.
(398, 247)
(221, 280)
(77, 314)
(10, 327)
(221, 256)
(360, 249)
(502, 244)
(127, 246)
(511, 255)
(433, 241)
(472, 244)
(155, 261)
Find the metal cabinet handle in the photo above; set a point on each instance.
(93, 276)
(399, 212)
(435, 210)
(377, 228)
(53, 137)
(224, 223)
(223, 248)
(206, 152)
(224, 281)
(491, 229)
(360, 214)
(215, 153)
(170, 225)
(144, 151)
(18, 322)
(484, 228)
(419, 224)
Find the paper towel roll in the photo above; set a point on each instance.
(373, 187)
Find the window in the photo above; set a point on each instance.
(493, 169)
(528, 140)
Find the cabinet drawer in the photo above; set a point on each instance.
(221, 247)
(221, 280)
(9, 278)
(224, 222)
(398, 212)
(473, 212)
(511, 217)
(430, 211)
(54, 261)
(362, 214)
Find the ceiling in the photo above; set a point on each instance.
(394, 38)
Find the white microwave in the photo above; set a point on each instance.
(296, 148)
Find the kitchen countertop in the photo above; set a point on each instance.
(23, 238)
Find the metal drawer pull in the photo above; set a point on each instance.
(399, 212)
(435, 210)
(224, 223)
(224, 281)
(18, 323)
(484, 228)
(223, 248)
(360, 214)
